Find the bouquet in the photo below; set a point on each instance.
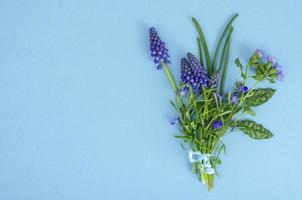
(206, 111)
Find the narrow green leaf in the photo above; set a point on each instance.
(259, 96)
(249, 111)
(221, 38)
(254, 130)
(200, 51)
(174, 106)
(204, 45)
(224, 60)
(186, 138)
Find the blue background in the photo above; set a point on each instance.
(85, 115)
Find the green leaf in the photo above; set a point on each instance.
(224, 60)
(186, 138)
(174, 106)
(240, 66)
(249, 111)
(254, 130)
(204, 45)
(200, 51)
(259, 96)
(221, 38)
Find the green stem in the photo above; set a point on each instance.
(173, 84)
(247, 94)
(170, 77)
(246, 74)
(210, 182)
(241, 102)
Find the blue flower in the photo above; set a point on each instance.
(175, 121)
(235, 98)
(158, 50)
(244, 89)
(221, 97)
(217, 124)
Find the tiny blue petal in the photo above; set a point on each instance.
(175, 121)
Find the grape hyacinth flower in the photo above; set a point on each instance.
(217, 124)
(199, 71)
(193, 73)
(214, 80)
(159, 52)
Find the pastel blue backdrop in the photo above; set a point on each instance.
(85, 115)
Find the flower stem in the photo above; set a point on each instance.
(173, 84)
(210, 182)
(170, 77)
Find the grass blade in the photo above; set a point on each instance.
(204, 45)
(221, 38)
(200, 51)
(224, 60)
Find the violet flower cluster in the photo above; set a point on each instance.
(159, 52)
(268, 58)
(193, 73)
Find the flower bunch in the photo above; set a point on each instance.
(206, 111)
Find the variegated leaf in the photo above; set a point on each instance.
(259, 96)
(254, 130)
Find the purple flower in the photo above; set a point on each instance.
(235, 98)
(158, 50)
(193, 73)
(217, 124)
(243, 89)
(276, 66)
(271, 59)
(280, 74)
(221, 97)
(259, 53)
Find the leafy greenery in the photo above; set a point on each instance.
(198, 112)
